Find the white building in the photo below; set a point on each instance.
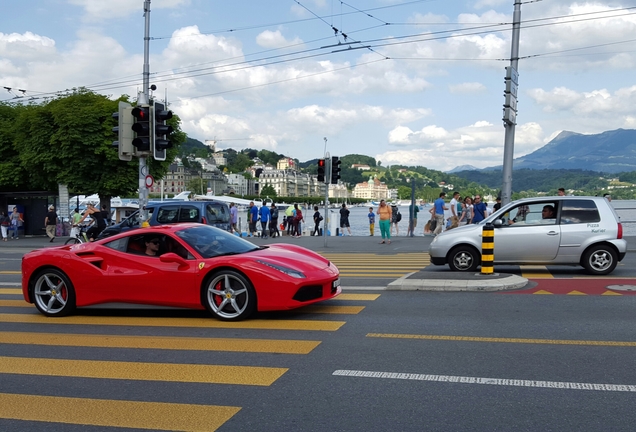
(291, 183)
(372, 190)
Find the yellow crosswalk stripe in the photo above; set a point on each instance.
(15, 303)
(308, 325)
(115, 413)
(535, 272)
(140, 371)
(358, 297)
(342, 310)
(371, 265)
(10, 290)
(161, 342)
(10, 272)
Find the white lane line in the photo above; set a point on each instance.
(489, 381)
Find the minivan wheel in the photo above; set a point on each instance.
(464, 258)
(600, 260)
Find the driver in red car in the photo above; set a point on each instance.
(152, 246)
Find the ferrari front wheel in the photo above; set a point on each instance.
(229, 296)
(53, 293)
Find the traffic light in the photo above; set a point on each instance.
(335, 169)
(321, 170)
(161, 132)
(125, 134)
(141, 127)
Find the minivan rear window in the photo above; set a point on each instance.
(167, 214)
(216, 213)
(189, 213)
(579, 211)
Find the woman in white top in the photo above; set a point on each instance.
(467, 212)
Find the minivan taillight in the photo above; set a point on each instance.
(620, 231)
(204, 222)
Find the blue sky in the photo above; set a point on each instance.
(407, 82)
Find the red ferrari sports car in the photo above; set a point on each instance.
(187, 265)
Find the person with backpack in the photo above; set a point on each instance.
(317, 220)
(273, 223)
(298, 219)
(396, 217)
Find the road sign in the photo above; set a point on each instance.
(512, 75)
(149, 181)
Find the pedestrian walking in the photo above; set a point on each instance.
(396, 217)
(5, 223)
(16, 222)
(479, 210)
(344, 219)
(50, 222)
(75, 220)
(317, 220)
(467, 211)
(273, 223)
(265, 219)
(233, 217)
(384, 212)
(289, 220)
(440, 206)
(371, 217)
(298, 220)
(253, 218)
(454, 219)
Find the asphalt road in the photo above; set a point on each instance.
(369, 360)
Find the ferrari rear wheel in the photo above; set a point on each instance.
(53, 293)
(229, 296)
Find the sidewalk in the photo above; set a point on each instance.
(439, 278)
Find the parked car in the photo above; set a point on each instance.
(567, 230)
(186, 265)
(214, 213)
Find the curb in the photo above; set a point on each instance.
(503, 283)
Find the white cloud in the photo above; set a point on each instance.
(98, 10)
(467, 88)
(275, 39)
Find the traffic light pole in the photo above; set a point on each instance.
(143, 98)
(327, 182)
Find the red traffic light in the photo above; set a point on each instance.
(321, 163)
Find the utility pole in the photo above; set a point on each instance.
(143, 99)
(510, 106)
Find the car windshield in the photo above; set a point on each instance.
(211, 242)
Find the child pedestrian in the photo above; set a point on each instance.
(371, 216)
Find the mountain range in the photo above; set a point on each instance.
(607, 152)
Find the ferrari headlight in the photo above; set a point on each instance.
(288, 271)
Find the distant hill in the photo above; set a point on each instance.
(463, 168)
(607, 152)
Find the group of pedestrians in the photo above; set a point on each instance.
(13, 221)
(469, 210)
(268, 217)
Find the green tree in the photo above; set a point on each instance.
(68, 140)
(269, 191)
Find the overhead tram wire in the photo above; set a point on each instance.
(129, 83)
(172, 75)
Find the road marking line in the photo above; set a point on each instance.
(15, 303)
(542, 292)
(141, 371)
(358, 297)
(341, 310)
(505, 340)
(10, 290)
(611, 293)
(115, 413)
(562, 385)
(575, 292)
(161, 342)
(311, 325)
(10, 272)
(535, 272)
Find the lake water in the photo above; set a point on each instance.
(626, 210)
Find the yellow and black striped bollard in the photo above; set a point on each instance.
(487, 249)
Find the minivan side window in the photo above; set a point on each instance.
(579, 211)
(167, 214)
(189, 213)
(217, 213)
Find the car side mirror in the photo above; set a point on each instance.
(172, 257)
(497, 223)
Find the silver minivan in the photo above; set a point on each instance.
(563, 230)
